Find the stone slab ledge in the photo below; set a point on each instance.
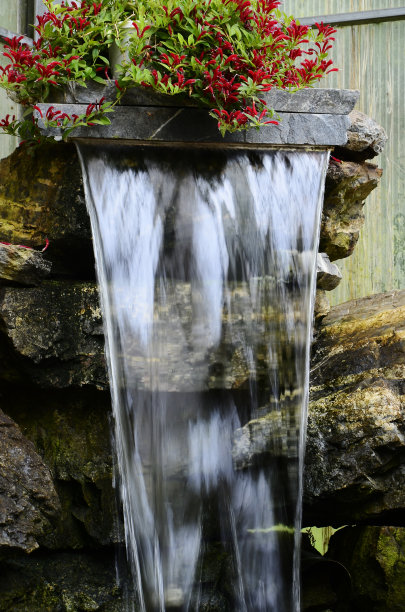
(156, 124)
(317, 100)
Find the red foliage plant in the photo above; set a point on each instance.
(224, 55)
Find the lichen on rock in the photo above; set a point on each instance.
(356, 434)
(347, 186)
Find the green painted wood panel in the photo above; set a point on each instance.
(10, 18)
(371, 58)
(308, 8)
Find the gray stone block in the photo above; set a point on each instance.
(191, 125)
(321, 101)
(328, 275)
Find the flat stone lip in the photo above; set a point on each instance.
(310, 100)
(235, 146)
(309, 118)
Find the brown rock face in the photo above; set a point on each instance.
(41, 196)
(28, 499)
(355, 461)
(347, 186)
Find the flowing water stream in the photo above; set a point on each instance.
(206, 268)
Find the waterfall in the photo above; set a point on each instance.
(206, 266)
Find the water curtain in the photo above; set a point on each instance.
(206, 266)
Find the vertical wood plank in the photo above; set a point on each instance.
(10, 18)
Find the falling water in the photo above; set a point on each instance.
(206, 268)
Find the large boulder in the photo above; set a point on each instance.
(347, 186)
(355, 459)
(66, 581)
(28, 500)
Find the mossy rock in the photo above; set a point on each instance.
(71, 432)
(60, 582)
(375, 559)
(41, 196)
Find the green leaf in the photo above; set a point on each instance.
(101, 121)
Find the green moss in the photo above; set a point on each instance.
(60, 582)
(390, 555)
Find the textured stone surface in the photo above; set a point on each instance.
(193, 125)
(262, 439)
(355, 460)
(22, 266)
(71, 430)
(366, 138)
(347, 186)
(61, 582)
(41, 196)
(329, 101)
(375, 559)
(321, 306)
(356, 447)
(28, 499)
(328, 275)
(54, 335)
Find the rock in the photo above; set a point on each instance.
(41, 197)
(321, 306)
(61, 582)
(54, 335)
(325, 583)
(375, 559)
(347, 186)
(319, 100)
(195, 126)
(366, 138)
(22, 266)
(71, 430)
(263, 439)
(328, 275)
(28, 500)
(355, 459)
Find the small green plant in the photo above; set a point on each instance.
(222, 54)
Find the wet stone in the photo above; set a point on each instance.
(28, 500)
(22, 266)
